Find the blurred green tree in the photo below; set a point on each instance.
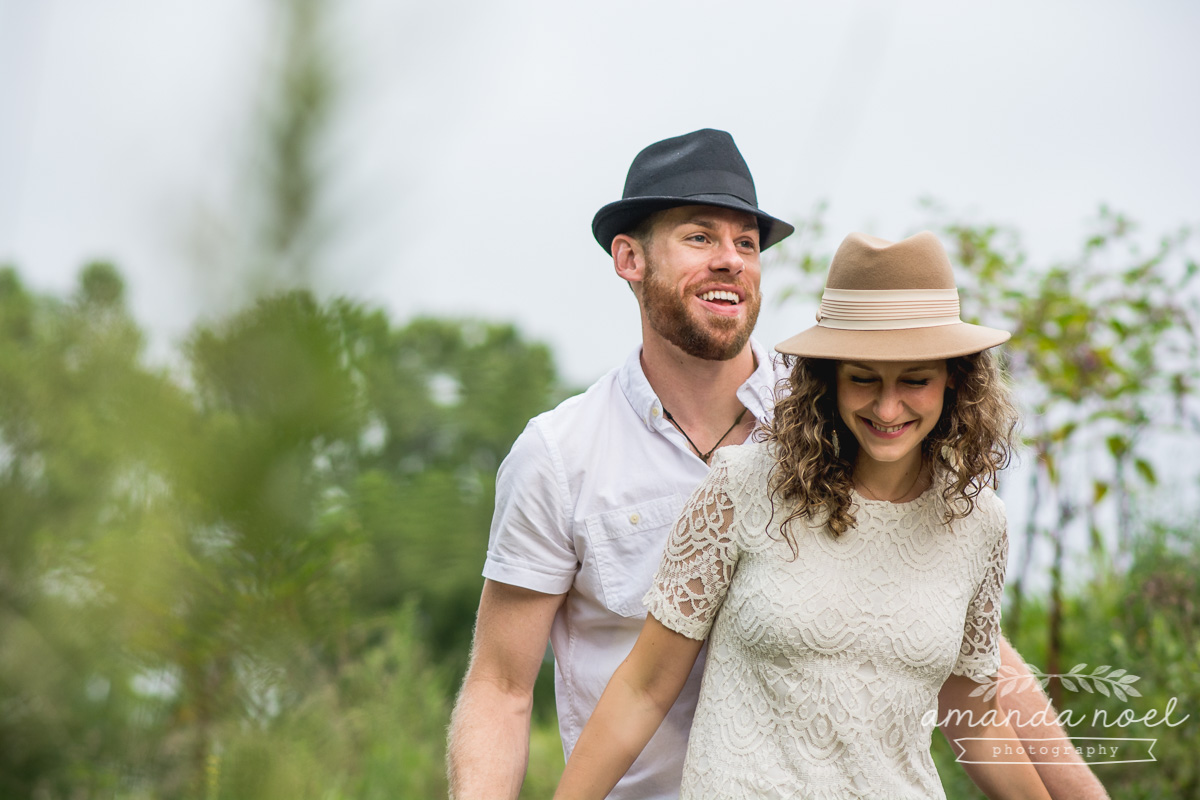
(255, 577)
(251, 570)
(1105, 357)
(446, 402)
(79, 420)
(275, 234)
(337, 470)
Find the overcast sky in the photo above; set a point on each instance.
(477, 139)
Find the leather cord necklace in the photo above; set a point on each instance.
(703, 456)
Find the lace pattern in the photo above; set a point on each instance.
(691, 582)
(821, 666)
(979, 656)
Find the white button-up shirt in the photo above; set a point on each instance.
(584, 503)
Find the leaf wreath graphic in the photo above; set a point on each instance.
(1103, 679)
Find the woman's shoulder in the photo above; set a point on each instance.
(989, 505)
(743, 458)
(745, 472)
(986, 518)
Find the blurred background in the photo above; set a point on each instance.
(281, 281)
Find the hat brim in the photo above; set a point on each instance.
(907, 344)
(625, 215)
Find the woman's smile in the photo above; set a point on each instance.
(886, 431)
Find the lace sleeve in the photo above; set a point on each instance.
(698, 562)
(979, 656)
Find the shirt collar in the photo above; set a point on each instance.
(757, 394)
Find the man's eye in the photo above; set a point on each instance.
(750, 244)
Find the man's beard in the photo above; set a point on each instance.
(669, 316)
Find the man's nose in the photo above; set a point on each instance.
(728, 259)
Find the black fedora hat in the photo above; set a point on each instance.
(702, 168)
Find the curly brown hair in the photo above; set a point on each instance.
(971, 442)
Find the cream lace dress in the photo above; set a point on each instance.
(822, 667)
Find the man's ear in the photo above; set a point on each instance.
(629, 259)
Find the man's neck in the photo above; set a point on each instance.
(700, 394)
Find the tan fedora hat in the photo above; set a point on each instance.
(890, 301)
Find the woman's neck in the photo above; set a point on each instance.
(896, 481)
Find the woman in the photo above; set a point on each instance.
(845, 571)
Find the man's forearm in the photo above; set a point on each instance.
(1066, 775)
(488, 750)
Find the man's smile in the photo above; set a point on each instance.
(730, 297)
(724, 301)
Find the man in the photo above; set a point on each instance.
(586, 498)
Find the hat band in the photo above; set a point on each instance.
(699, 182)
(887, 309)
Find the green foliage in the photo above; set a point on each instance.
(237, 584)
(1104, 356)
(545, 760)
(375, 730)
(1142, 625)
(1145, 621)
(255, 577)
(75, 439)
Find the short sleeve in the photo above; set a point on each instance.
(698, 563)
(530, 543)
(979, 656)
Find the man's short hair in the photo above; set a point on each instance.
(642, 231)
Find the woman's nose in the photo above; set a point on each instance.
(888, 406)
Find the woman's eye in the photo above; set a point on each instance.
(860, 379)
(924, 382)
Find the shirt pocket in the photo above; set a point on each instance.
(627, 545)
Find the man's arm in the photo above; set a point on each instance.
(1000, 776)
(1067, 777)
(489, 731)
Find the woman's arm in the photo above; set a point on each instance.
(989, 763)
(633, 705)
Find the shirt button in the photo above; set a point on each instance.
(654, 411)
(635, 518)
